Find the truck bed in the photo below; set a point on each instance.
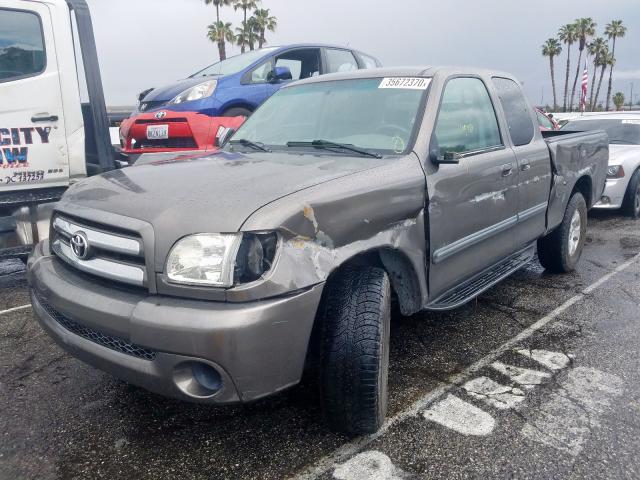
(575, 155)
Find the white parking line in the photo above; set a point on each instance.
(522, 376)
(460, 416)
(15, 309)
(502, 397)
(354, 446)
(551, 360)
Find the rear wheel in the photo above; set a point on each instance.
(560, 250)
(631, 204)
(237, 112)
(355, 317)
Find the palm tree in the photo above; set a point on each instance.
(618, 100)
(552, 48)
(567, 34)
(605, 59)
(596, 49)
(614, 29)
(242, 37)
(220, 33)
(245, 5)
(585, 28)
(252, 32)
(218, 4)
(263, 23)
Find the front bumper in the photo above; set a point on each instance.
(613, 195)
(256, 348)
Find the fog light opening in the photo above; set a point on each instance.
(605, 200)
(197, 379)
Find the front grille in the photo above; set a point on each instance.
(177, 142)
(108, 252)
(144, 106)
(95, 336)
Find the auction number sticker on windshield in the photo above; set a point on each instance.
(411, 83)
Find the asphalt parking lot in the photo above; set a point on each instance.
(538, 378)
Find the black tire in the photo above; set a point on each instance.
(554, 250)
(631, 205)
(237, 112)
(354, 362)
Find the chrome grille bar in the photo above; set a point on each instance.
(106, 241)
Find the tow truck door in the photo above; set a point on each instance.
(33, 146)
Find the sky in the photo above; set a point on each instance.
(150, 43)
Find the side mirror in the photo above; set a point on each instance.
(448, 158)
(223, 135)
(279, 74)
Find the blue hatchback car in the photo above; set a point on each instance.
(238, 85)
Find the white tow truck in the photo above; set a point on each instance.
(53, 121)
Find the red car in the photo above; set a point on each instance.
(167, 131)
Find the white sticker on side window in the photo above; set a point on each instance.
(633, 122)
(411, 83)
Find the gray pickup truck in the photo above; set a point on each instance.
(219, 278)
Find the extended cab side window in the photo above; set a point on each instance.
(466, 121)
(516, 111)
(22, 51)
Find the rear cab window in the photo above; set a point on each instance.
(516, 111)
(340, 61)
(22, 51)
(467, 121)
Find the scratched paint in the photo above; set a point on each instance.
(574, 411)
(460, 416)
(371, 465)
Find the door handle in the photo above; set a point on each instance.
(525, 165)
(507, 169)
(51, 118)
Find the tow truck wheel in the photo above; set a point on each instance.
(355, 317)
(560, 250)
(237, 112)
(632, 198)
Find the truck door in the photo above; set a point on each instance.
(532, 156)
(472, 204)
(33, 148)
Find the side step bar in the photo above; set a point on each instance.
(470, 289)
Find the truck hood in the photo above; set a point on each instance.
(212, 193)
(619, 154)
(169, 92)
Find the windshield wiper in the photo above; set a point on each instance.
(248, 143)
(327, 145)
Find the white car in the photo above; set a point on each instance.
(623, 177)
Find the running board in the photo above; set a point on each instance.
(470, 289)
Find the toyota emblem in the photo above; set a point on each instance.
(161, 115)
(80, 246)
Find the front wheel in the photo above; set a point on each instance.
(355, 317)
(560, 250)
(631, 204)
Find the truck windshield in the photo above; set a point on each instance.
(623, 131)
(371, 114)
(234, 64)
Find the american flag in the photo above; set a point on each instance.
(585, 84)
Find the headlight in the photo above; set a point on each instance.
(615, 171)
(221, 260)
(198, 92)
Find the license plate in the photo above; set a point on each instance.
(157, 132)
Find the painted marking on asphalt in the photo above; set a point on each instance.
(371, 465)
(493, 393)
(15, 309)
(354, 446)
(460, 416)
(523, 376)
(551, 360)
(567, 420)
